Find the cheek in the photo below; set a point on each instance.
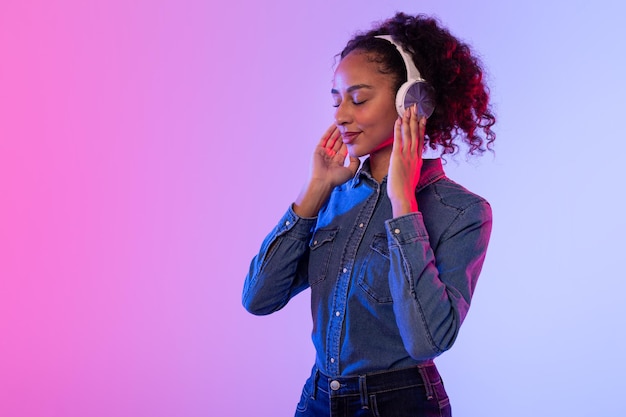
(388, 124)
(380, 120)
(389, 114)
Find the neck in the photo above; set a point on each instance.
(379, 163)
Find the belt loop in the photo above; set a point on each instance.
(316, 377)
(426, 380)
(363, 392)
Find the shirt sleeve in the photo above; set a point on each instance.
(279, 271)
(432, 291)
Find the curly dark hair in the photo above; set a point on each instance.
(448, 65)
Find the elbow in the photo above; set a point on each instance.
(434, 344)
(251, 301)
(425, 351)
(254, 307)
(251, 308)
(260, 306)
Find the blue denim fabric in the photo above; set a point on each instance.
(386, 293)
(410, 392)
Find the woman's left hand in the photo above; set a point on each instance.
(406, 161)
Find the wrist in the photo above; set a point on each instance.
(402, 206)
(311, 199)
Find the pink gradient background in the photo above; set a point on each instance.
(147, 147)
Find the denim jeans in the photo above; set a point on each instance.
(411, 392)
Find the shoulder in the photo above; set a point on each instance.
(447, 205)
(455, 196)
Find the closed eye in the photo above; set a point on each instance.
(356, 103)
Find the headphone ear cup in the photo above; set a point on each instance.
(416, 92)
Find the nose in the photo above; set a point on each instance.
(342, 114)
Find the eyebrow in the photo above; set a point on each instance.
(352, 88)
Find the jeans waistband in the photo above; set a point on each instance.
(423, 374)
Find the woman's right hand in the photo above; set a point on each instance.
(328, 170)
(329, 160)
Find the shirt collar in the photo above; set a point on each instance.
(432, 170)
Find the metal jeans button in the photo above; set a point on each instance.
(335, 385)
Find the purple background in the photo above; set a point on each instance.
(147, 147)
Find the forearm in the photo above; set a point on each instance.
(312, 198)
(432, 291)
(278, 271)
(404, 205)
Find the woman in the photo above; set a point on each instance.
(391, 248)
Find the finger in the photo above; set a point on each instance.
(422, 133)
(327, 135)
(354, 164)
(397, 135)
(407, 138)
(334, 142)
(338, 142)
(333, 146)
(342, 152)
(414, 129)
(420, 130)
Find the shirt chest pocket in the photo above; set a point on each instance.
(374, 272)
(321, 249)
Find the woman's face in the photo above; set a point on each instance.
(365, 103)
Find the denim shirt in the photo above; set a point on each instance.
(386, 293)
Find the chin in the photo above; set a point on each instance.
(355, 152)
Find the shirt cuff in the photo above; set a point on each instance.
(298, 226)
(407, 228)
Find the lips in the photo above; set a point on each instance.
(349, 137)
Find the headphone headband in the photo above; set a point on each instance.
(415, 90)
(411, 70)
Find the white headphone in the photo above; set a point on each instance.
(415, 90)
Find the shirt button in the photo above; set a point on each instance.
(287, 223)
(397, 231)
(345, 270)
(335, 385)
(315, 242)
(332, 360)
(337, 314)
(361, 225)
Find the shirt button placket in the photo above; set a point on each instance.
(336, 325)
